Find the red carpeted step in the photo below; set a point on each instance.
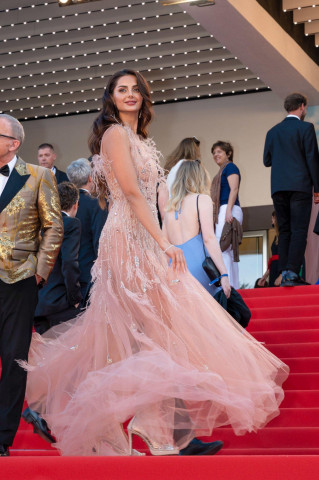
(285, 312)
(274, 324)
(33, 452)
(293, 350)
(306, 381)
(302, 365)
(296, 417)
(301, 399)
(25, 439)
(279, 291)
(290, 336)
(219, 467)
(270, 451)
(288, 437)
(283, 301)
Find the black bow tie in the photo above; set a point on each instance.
(5, 170)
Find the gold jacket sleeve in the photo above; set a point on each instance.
(51, 224)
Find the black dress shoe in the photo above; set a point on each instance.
(39, 425)
(291, 279)
(197, 447)
(4, 450)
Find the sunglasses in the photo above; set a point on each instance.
(196, 141)
(7, 136)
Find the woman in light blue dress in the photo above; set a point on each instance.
(188, 223)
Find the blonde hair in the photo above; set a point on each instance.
(191, 177)
(187, 149)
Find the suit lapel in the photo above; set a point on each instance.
(14, 184)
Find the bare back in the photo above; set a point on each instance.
(185, 226)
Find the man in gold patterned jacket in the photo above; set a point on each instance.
(31, 233)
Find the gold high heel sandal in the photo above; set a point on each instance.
(154, 447)
(133, 452)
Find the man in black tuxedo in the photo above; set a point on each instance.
(291, 150)
(29, 204)
(60, 297)
(47, 157)
(92, 219)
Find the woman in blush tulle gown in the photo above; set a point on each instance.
(153, 344)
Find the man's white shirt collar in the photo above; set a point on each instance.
(3, 179)
(12, 163)
(294, 116)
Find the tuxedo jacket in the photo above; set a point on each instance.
(60, 176)
(29, 204)
(291, 150)
(62, 289)
(92, 219)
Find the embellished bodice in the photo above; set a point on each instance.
(145, 158)
(125, 245)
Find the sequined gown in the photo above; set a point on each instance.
(152, 343)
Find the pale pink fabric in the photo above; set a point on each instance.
(152, 344)
(312, 250)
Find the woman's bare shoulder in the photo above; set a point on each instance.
(116, 132)
(205, 199)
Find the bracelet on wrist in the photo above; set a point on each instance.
(171, 245)
(217, 279)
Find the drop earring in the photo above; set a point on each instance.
(113, 115)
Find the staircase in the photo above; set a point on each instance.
(287, 320)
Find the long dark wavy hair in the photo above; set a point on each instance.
(110, 115)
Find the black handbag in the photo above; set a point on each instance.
(208, 265)
(235, 306)
(316, 229)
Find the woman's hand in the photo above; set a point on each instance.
(178, 259)
(261, 282)
(229, 216)
(226, 286)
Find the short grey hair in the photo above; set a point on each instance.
(16, 127)
(78, 172)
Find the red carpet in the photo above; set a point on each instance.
(287, 320)
(155, 468)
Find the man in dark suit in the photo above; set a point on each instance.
(92, 219)
(291, 150)
(29, 204)
(60, 298)
(47, 157)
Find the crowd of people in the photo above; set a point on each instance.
(126, 321)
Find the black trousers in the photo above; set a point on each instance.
(85, 291)
(293, 210)
(17, 305)
(44, 323)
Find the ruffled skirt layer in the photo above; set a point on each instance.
(158, 347)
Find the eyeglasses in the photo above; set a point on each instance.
(7, 136)
(196, 141)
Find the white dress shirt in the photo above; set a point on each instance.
(3, 178)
